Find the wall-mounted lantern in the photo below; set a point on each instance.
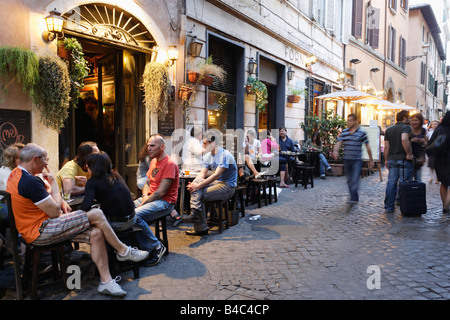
(55, 24)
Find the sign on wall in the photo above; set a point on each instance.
(15, 126)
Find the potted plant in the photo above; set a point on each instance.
(329, 126)
(186, 97)
(52, 93)
(157, 87)
(78, 66)
(295, 94)
(205, 72)
(259, 89)
(19, 64)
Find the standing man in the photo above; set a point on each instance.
(219, 185)
(353, 138)
(159, 197)
(398, 157)
(43, 218)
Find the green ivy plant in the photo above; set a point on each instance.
(78, 67)
(52, 94)
(260, 90)
(21, 64)
(156, 85)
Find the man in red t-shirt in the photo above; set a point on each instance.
(159, 197)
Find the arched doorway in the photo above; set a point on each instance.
(110, 112)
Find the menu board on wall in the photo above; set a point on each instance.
(166, 125)
(373, 134)
(15, 126)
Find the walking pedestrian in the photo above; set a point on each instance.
(353, 138)
(442, 160)
(398, 157)
(419, 141)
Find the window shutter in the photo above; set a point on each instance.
(329, 22)
(357, 24)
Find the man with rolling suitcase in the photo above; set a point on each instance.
(398, 157)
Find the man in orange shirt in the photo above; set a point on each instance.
(43, 218)
(159, 197)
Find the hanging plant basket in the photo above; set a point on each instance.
(260, 90)
(185, 92)
(293, 98)
(156, 85)
(196, 77)
(64, 53)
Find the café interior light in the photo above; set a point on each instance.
(55, 24)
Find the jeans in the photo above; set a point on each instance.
(353, 173)
(215, 191)
(398, 169)
(323, 164)
(146, 213)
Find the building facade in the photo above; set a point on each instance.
(305, 37)
(426, 82)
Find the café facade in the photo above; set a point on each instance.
(285, 46)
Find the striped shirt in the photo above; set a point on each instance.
(353, 143)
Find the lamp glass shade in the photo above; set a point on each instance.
(290, 73)
(172, 54)
(195, 47)
(54, 22)
(252, 65)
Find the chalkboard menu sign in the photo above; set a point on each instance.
(166, 124)
(15, 126)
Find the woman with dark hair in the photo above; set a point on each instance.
(109, 189)
(418, 138)
(314, 144)
(73, 175)
(442, 161)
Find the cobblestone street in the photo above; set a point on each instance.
(305, 246)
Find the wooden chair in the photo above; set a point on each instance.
(32, 258)
(161, 226)
(117, 267)
(306, 173)
(255, 186)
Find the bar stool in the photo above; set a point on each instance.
(255, 186)
(306, 173)
(217, 219)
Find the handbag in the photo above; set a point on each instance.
(438, 147)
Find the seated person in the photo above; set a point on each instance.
(144, 164)
(286, 144)
(192, 153)
(111, 192)
(252, 149)
(43, 218)
(314, 144)
(269, 147)
(159, 197)
(73, 176)
(219, 185)
(141, 174)
(11, 159)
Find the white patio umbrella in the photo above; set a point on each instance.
(346, 95)
(378, 102)
(396, 106)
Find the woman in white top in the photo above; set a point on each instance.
(252, 150)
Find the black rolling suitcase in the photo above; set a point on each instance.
(412, 197)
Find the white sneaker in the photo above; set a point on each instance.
(259, 175)
(111, 288)
(133, 254)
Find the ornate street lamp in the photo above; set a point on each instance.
(55, 24)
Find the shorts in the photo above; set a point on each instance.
(72, 226)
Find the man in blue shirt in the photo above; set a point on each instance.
(219, 185)
(353, 138)
(286, 144)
